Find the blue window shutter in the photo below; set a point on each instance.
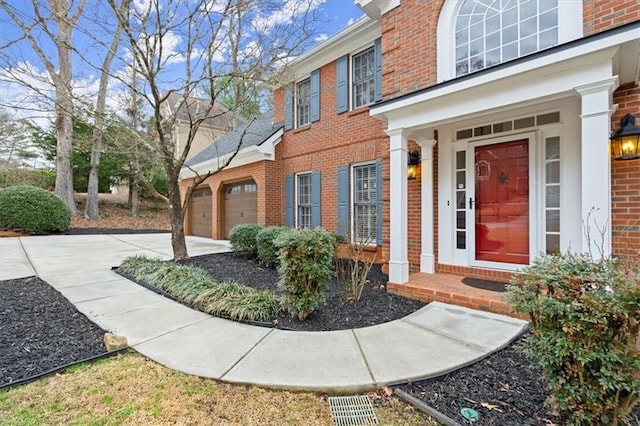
(288, 203)
(379, 202)
(316, 194)
(342, 86)
(315, 95)
(288, 109)
(343, 201)
(377, 60)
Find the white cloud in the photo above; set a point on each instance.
(321, 37)
(290, 10)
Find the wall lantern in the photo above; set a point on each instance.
(624, 142)
(412, 164)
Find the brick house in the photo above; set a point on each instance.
(509, 106)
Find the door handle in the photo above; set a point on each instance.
(471, 202)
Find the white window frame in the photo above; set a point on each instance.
(296, 103)
(298, 205)
(372, 240)
(352, 82)
(569, 28)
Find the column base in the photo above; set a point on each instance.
(398, 272)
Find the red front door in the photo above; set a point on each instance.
(502, 202)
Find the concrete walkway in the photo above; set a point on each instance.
(437, 339)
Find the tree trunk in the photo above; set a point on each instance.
(64, 168)
(134, 192)
(178, 241)
(91, 210)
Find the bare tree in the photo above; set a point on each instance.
(182, 46)
(91, 209)
(14, 139)
(55, 20)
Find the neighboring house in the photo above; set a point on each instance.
(218, 122)
(510, 106)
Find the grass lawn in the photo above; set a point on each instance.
(130, 389)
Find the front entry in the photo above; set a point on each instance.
(502, 202)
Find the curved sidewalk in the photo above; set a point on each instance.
(432, 341)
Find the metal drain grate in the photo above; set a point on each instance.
(352, 410)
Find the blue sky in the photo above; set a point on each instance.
(334, 14)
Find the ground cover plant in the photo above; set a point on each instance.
(32, 210)
(585, 321)
(194, 287)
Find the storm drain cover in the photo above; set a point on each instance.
(352, 410)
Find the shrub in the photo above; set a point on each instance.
(243, 239)
(44, 179)
(585, 326)
(306, 258)
(32, 210)
(193, 286)
(267, 250)
(353, 264)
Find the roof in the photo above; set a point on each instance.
(253, 133)
(218, 116)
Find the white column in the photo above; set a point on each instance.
(398, 259)
(596, 166)
(427, 257)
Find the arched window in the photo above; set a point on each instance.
(489, 32)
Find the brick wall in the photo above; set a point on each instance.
(601, 15)
(625, 181)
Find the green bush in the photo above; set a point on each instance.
(243, 239)
(267, 250)
(306, 259)
(585, 317)
(193, 286)
(44, 179)
(32, 210)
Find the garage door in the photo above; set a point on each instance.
(201, 213)
(240, 205)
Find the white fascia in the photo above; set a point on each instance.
(252, 154)
(376, 8)
(361, 33)
(542, 77)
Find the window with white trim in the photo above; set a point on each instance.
(552, 194)
(363, 78)
(303, 200)
(303, 102)
(365, 198)
(489, 32)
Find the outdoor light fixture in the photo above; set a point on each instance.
(624, 142)
(412, 164)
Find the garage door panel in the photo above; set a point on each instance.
(201, 213)
(240, 205)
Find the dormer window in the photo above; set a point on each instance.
(488, 33)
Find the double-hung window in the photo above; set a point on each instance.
(363, 78)
(303, 200)
(365, 197)
(359, 78)
(303, 103)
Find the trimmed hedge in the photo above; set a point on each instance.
(243, 239)
(306, 261)
(44, 179)
(195, 287)
(266, 241)
(32, 210)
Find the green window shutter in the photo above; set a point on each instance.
(343, 201)
(315, 95)
(288, 203)
(316, 204)
(379, 202)
(377, 60)
(342, 86)
(288, 109)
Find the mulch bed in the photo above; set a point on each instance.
(41, 331)
(376, 306)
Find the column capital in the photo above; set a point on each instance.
(608, 84)
(402, 132)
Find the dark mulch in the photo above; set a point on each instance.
(41, 331)
(97, 231)
(337, 313)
